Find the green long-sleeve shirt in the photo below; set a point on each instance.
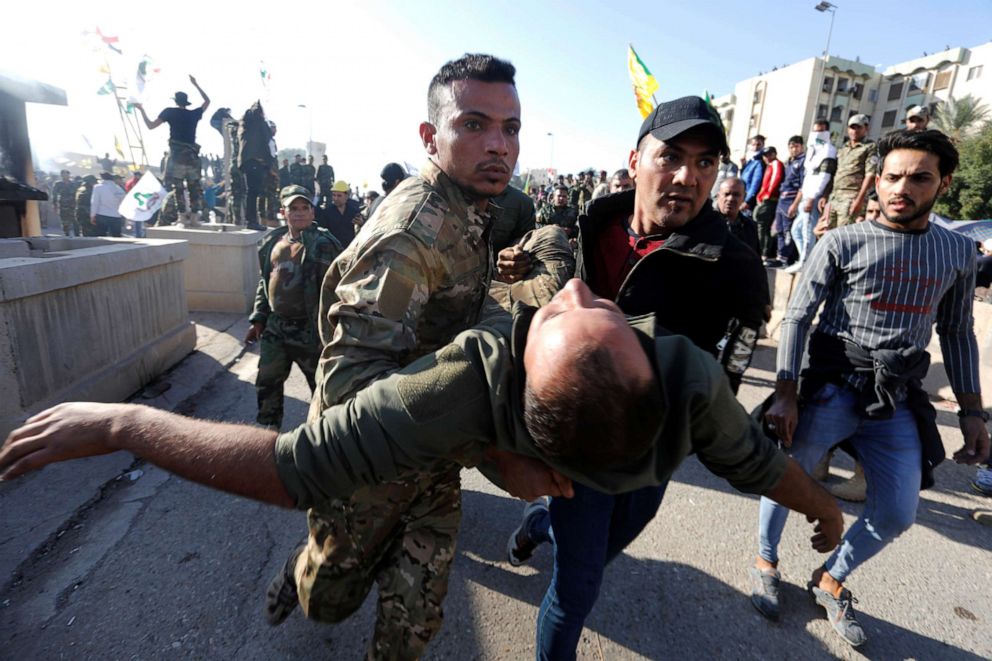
(454, 403)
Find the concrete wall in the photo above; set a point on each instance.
(221, 272)
(96, 322)
(780, 285)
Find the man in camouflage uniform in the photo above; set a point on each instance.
(82, 206)
(296, 170)
(293, 260)
(416, 276)
(325, 178)
(857, 162)
(559, 213)
(64, 198)
(169, 213)
(580, 192)
(308, 174)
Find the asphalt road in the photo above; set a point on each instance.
(111, 558)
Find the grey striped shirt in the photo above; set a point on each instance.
(885, 289)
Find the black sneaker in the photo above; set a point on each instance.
(520, 547)
(281, 597)
(764, 591)
(840, 613)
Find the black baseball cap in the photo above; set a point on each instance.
(673, 118)
(393, 172)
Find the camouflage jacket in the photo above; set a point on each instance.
(319, 250)
(854, 163)
(566, 218)
(416, 274)
(64, 195)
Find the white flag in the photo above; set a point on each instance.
(144, 199)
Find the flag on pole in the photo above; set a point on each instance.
(145, 70)
(117, 147)
(109, 41)
(644, 83)
(264, 72)
(144, 199)
(107, 88)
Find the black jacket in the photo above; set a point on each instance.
(702, 283)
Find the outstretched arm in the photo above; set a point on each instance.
(206, 99)
(149, 123)
(797, 491)
(235, 458)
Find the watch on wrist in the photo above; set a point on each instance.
(977, 413)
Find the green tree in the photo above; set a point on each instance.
(970, 194)
(288, 154)
(959, 118)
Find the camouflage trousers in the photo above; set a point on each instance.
(70, 226)
(236, 199)
(284, 342)
(839, 204)
(182, 168)
(400, 535)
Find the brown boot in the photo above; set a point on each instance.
(822, 470)
(853, 489)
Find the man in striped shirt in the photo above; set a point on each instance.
(885, 283)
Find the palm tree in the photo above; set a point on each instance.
(958, 118)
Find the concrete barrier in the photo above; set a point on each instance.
(780, 285)
(88, 319)
(221, 272)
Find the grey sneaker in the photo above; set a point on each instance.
(520, 547)
(764, 591)
(840, 613)
(281, 597)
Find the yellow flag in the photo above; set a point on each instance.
(117, 147)
(644, 83)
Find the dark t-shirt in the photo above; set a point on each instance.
(182, 123)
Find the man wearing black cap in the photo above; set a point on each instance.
(183, 163)
(660, 248)
(392, 174)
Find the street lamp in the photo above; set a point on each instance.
(551, 157)
(832, 8)
(310, 138)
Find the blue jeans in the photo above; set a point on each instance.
(889, 451)
(786, 246)
(802, 232)
(587, 531)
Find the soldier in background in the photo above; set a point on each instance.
(309, 174)
(64, 199)
(83, 195)
(293, 260)
(560, 212)
(856, 165)
(285, 177)
(325, 178)
(296, 170)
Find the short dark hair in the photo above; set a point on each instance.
(622, 173)
(606, 421)
(930, 141)
(757, 137)
(821, 120)
(471, 66)
(560, 187)
(796, 140)
(872, 196)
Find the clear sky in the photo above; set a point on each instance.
(362, 68)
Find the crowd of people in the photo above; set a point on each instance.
(584, 373)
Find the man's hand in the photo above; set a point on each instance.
(254, 332)
(513, 264)
(822, 225)
(794, 209)
(783, 414)
(192, 79)
(855, 207)
(66, 431)
(821, 205)
(976, 441)
(827, 531)
(808, 205)
(528, 478)
(138, 105)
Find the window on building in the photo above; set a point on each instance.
(859, 89)
(895, 91)
(828, 84)
(942, 81)
(975, 72)
(842, 84)
(836, 113)
(873, 95)
(919, 82)
(821, 111)
(754, 121)
(889, 119)
(757, 96)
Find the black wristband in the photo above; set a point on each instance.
(977, 413)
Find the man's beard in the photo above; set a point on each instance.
(908, 218)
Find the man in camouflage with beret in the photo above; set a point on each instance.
(293, 260)
(64, 198)
(415, 277)
(856, 165)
